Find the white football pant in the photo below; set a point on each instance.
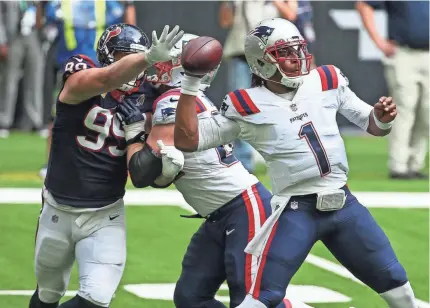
(97, 240)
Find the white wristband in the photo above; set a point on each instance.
(382, 125)
(190, 85)
(133, 130)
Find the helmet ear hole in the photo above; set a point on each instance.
(261, 63)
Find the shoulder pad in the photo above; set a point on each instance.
(241, 102)
(164, 107)
(75, 64)
(331, 77)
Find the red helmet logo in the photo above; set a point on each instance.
(111, 34)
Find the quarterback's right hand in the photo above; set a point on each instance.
(132, 119)
(161, 47)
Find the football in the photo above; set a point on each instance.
(201, 55)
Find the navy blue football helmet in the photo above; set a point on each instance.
(124, 38)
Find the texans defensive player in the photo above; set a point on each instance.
(289, 116)
(82, 217)
(233, 202)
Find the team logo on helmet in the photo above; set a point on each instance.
(115, 32)
(262, 32)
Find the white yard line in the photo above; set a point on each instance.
(145, 197)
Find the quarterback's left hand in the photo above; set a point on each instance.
(172, 159)
(385, 110)
(132, 119)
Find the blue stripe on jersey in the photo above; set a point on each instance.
(329, 77)
(242, 102)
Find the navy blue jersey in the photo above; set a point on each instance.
(87, 163)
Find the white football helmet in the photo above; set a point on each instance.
(171, 72)
(276, 44)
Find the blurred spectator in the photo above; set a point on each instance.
(407, 74)
(20, 47)
(240, 17)
(77, 26)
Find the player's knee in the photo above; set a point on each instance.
(98, 297)
(400, 297)
(250, 302)
(80, 302)
(186, 297)
(50, 296)
(35, 302)
(183, 296)
(99, 287)
(390, 278)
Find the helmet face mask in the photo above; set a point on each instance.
(275, 47)
(125, 39)
(171, 73)
(292, 59)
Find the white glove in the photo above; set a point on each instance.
(172, 159)
(160, 48)
(133, 130)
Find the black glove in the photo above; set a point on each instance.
(128, 113)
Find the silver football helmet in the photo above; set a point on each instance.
(276, 44)
(171, 72)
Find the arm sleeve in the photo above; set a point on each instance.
(217, 130)
(350, 105)
(144, 167)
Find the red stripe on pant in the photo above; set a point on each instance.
(251, 233)
(260, 205)
(258, 278)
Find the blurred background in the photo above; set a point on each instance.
(381, 46)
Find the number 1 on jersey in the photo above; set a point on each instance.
(308, 131)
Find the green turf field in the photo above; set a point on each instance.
(157, 236)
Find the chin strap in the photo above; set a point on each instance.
(291, 83)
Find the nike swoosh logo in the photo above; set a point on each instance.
(113, 217)
(79, 59)
(172, 100)
(229, 232)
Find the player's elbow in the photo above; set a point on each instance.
(138, 181)
(186, 144)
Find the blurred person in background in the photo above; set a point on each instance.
(240, 17)
(20, 49)
(407, 73)
(79, 25)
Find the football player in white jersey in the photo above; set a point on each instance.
(233, 202)
(289, 116)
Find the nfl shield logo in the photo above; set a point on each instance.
(294, 205)
(293, 107)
